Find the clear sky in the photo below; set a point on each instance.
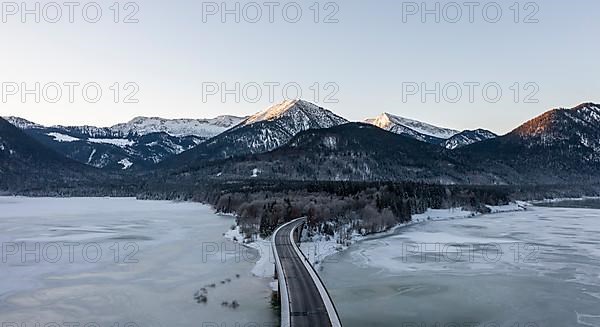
(372, 54)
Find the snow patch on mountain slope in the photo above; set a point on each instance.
(123, 143)
(91, 156)
(62, 137)
(126, 163)
(399, 125)
(330, 142)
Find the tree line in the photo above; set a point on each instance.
(342, 208)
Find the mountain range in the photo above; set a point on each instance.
(561, 146)
(301, 141)
(26, 164)
(448, 138)
(262, 132)
(142, 142)
(348, 152)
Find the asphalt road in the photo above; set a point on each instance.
(306, 306)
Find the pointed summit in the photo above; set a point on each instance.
(300, 110)
(262, 132)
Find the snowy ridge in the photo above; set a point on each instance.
(140, 142)
(140, 126)
(87, 131)
(204, 128)
(22, 123)
(417, 129)
(468, 137)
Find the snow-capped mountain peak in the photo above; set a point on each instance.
(204, 128)
(411, 127)
(271, 113)
(297, 109)
(263, 131)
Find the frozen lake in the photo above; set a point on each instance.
(537, 268)
(122, 262)
(133, 263)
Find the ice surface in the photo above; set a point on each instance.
(539, 266)
(176, 248)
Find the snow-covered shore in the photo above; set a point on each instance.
(264, 266)
(566, 199)
(319, 247)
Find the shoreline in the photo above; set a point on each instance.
(431, 215)
(320, 247)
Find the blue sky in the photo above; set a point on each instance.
(367, 58)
